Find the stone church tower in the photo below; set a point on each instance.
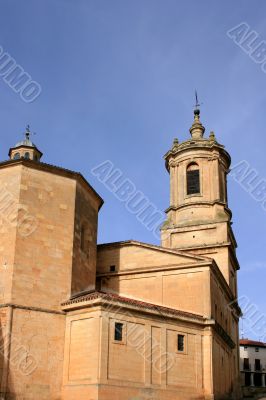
(124, 320)
(198, 219)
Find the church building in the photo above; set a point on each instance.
(124, 320)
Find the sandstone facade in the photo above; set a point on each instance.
(117, 321)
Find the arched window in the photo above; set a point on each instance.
(193, 179)
(17, 156)
(27, 155)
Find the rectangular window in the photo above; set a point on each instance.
(257, 365)
(246, 363)
(180, 342)
(118, 331)
(193, 182)
(256, 349)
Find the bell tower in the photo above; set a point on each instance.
(198, 218)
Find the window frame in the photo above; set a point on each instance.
(113, 332)
(198, 194)
(185, 343)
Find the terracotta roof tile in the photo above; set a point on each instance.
(247, 342)
(126, 300)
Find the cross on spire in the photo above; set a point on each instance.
(28, 132)
(197, 129)
(197, 105)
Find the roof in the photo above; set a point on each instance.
(156, 247)
(93, 295)
(26, 142)
(252, 343)
(194, 258)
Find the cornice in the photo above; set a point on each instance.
(38, 309)
(200, 203)
(196, 145)
(224, 335)
(54, 170)
(158, 268)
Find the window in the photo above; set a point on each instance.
(247, 379)
(193, 179)
(27, 156)
(112, 268)
(17, 156)
(118, 331)
(246, 363)
(180, 342)
(257, 349)
(257, 365)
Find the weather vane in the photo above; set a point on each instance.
(28, 133)
(197, 105)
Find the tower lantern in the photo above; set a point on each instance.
(25, 149)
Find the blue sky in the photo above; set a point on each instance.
(118, 80)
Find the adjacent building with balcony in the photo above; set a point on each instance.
(253, 365)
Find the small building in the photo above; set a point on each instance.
(253, 364)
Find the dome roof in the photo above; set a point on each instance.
(25, 142)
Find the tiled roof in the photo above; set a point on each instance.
(131, 302)
(247, 342)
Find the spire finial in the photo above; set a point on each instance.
(27, 133)
(197, 129)
(212, 136)
(197, 104)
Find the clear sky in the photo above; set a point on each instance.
(118, 81)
